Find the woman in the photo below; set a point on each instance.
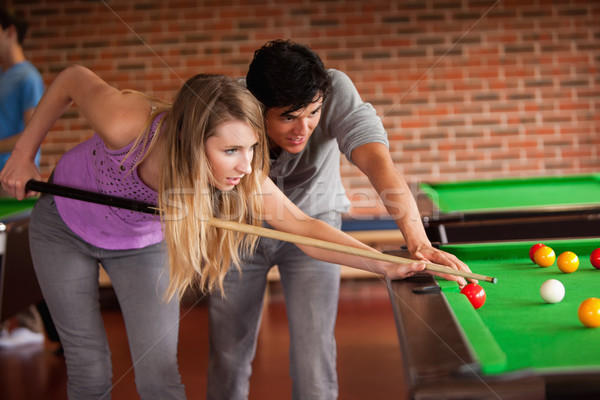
(205, 156)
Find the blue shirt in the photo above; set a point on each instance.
(21, 88)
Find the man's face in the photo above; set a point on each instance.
(291, 131)
(8, 38)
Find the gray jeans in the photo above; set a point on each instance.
(311, 290)
(67, 270)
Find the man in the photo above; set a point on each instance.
(312, 114)
(21, 87)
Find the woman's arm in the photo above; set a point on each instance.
(285, 216)
(115, 116)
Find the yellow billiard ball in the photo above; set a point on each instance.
(544, 256)
(568, 262)
(533, 249)
(589, 312)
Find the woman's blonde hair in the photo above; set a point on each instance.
(199, 254)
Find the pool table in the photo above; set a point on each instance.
(18, 283)
(511, 209)
(516, 346)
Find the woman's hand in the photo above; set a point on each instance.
(401, 271)
(17, 171)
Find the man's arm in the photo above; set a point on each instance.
(374, 160)
(7, 144)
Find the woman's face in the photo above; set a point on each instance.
(230, 151)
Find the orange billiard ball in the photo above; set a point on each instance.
(568, 262)
(544, 256)
(589, 312)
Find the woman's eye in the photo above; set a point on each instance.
(230, 151)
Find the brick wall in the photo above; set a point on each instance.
(467, 89)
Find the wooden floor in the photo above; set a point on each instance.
(368, 354)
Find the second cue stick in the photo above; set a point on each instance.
(99, 198)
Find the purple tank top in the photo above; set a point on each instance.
(91, 166)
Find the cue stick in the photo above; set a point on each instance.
(90, 197)
(99, 198)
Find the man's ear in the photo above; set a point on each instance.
(11, 31)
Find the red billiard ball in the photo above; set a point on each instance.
(595, 258)
(534, 249)
(475, 294)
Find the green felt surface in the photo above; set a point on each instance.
(515, 194)
(516, 321)
(10, 208)
(480, 338)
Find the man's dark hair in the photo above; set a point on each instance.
(287, 74)
(9, 18)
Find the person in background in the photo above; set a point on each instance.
(312, 115)
(21, 87)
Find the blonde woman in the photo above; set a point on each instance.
(203, 156)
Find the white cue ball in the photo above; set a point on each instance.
(552, 291)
